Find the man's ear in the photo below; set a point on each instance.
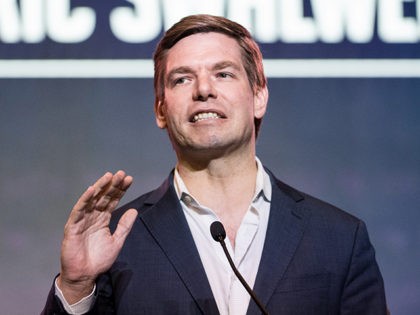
(260, 102)
(160, 114)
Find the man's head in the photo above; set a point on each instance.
(251, 54)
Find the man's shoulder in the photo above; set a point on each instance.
(323, 211)
(323, 222)
(317, 208)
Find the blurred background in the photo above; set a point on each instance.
(76, 100)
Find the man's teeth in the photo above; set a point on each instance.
(203, 116)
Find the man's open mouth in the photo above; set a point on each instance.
(205, 116)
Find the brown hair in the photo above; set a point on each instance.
(203, 23)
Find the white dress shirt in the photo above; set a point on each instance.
(231, 297)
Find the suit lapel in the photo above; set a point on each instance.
(165, 220)
(285, 230)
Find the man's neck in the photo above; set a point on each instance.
(226, 186)
(219, 176)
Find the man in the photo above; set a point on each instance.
(156, 255)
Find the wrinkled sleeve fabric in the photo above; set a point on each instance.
(79, 308)
(99, 302)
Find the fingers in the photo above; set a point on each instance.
(109, 190)
(104, 194)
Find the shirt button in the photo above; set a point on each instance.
(187, 199)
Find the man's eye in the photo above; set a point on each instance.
(180, 81)
(224, 75)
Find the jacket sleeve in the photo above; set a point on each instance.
(364, 288)
(104, 304)
(53, 305)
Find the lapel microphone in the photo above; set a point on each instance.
(219, 234)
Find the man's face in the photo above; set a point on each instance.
(209, 105)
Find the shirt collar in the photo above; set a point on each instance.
(262, 184)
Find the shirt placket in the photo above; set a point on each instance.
(244, 238)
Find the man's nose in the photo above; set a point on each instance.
(204, 89)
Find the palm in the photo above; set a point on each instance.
(88, 247)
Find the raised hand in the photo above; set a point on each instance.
(88, 247)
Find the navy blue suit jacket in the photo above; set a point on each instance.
(316, 259)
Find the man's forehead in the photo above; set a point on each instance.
(214, 35)
(214, 49)
(204, 41)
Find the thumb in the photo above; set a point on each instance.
(124, 226)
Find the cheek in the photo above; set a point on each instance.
(174, 103)
(174, 118)
(177, 104)
(172, 113)
(248, 104)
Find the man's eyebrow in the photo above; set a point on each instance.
(226, 64)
